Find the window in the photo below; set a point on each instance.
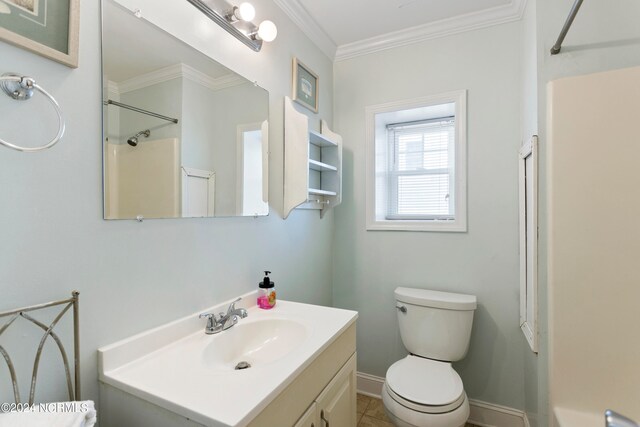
(421, 170)
(416, 167)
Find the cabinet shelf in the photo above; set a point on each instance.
(320, 140)
(321, 167)
(312, 164)
(317, 192)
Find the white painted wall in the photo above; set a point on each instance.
(369, 265)
(133, 276)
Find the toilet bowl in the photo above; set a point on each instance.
(423, 390)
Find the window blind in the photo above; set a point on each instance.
(421, 170)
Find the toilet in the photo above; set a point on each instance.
(423, 390)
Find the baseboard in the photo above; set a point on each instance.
(483, 414)
(369, 385)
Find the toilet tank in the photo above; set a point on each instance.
(434, 324)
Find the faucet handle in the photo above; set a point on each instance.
(232, 306)
(213, 325)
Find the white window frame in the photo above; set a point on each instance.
(459, 224)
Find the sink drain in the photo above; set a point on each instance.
(243, 365)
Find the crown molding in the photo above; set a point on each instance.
(446, 27)
(149, 79)
(299, 15)
(112, 87)
(173, 72)
(219, 83)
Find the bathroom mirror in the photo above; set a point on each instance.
(183, 135)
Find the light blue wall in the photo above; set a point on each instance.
(369, 265)
(131, 275)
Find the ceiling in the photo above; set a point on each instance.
(344, 29)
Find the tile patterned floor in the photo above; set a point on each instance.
(371, 413)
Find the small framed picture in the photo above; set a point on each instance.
(46, 27)
(305, 86)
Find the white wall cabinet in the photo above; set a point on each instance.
(312, 164)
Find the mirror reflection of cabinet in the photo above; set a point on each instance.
(183, 135)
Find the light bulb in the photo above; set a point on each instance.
(245, 12)
(267, 31)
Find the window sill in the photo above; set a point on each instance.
(433, 226)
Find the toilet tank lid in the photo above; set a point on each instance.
(436, 299)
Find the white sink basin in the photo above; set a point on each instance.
(257, 343)
(181, 369)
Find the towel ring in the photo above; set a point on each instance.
(21, 88)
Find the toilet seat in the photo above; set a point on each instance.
(425, 385)
(402, 416)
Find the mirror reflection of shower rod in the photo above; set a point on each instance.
(140, 110)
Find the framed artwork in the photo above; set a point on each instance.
(528, 183)
(305, 86)
(46, 27)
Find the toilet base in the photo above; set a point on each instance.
(401, 416)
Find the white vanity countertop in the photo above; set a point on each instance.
(171, 366)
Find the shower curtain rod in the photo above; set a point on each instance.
(140, 110)
(565, 29)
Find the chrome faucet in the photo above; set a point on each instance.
(223, 321)
(231, 318)
(613, 419)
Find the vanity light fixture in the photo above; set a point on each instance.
(244, 12)
(267, 31)
(236, 20)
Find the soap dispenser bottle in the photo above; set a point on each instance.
(266, 293)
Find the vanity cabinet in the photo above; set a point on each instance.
(310, 418)
(312, 164)
(171, 376)
(336, 405)
(324, 394)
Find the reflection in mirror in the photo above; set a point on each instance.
(183, 135)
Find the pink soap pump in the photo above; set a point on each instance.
(266, 293)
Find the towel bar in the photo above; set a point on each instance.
(21, 88)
